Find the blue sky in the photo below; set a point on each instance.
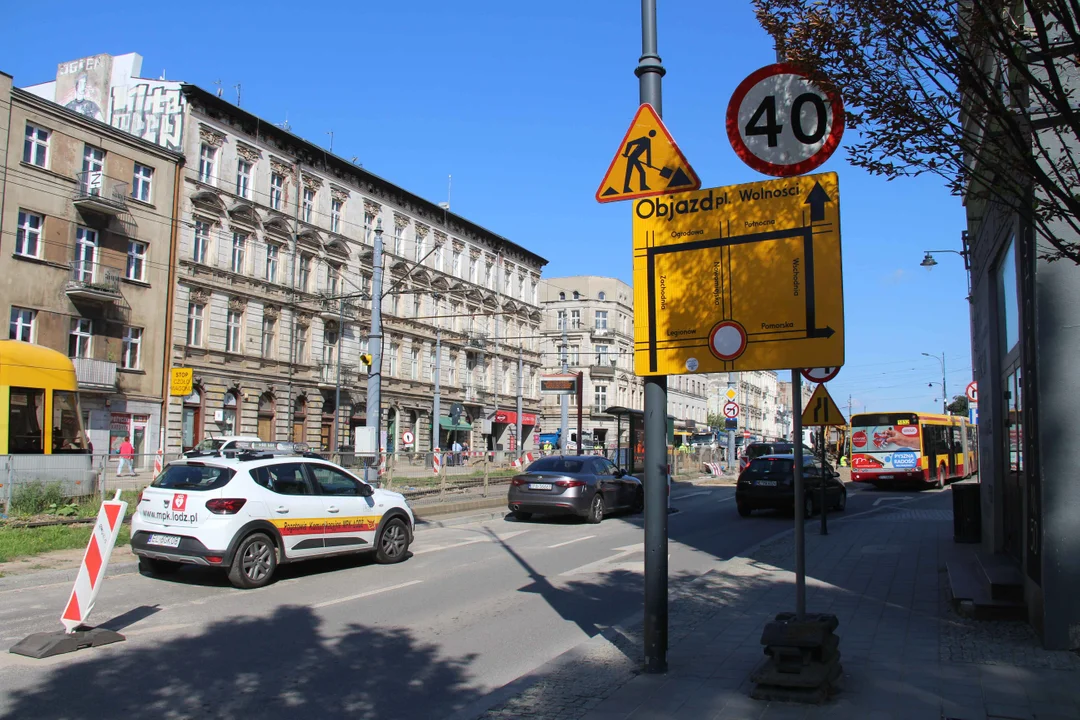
(525, 104)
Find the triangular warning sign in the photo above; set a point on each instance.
(647, 163)
(821, 411)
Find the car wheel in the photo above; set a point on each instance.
(808, 507)
(639, 502)
(522, 515)
(841, 503)
(393, 542)
(596, 509)
(940, 478)
(744, 509)
(153, 566)
(254, 562)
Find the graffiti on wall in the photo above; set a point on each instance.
(153, 111)
(83, 85)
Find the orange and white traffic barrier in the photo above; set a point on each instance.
(436, 461)
(158, 463)
(525, 459)
(94, 564)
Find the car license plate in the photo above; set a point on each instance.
(766, 483)
(164, 540)
(539, 486)
(885, 477)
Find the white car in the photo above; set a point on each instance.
(257, 506)
(223, 442)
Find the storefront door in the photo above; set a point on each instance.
(1013, 455)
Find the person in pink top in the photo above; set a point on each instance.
(127, 456)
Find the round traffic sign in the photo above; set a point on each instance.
(822, 374)
(407, 438)
(782, 123)
(731, 410)
(727, 340)
(972, 392)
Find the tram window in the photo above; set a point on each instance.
(25, 420)
(67, 431)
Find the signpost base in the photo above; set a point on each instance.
(804, 659)
(48, 644)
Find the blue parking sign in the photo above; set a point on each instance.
(973, 414)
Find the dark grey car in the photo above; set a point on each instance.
(584, 485)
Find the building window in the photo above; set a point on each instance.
(272, 252)
(1009, 300)
(575, 319)
(473, 264)
(201, 243)
(28, 234)
(269, 334)
(508, 283)
(419, 249)
(300, 345)
(207, 157)
(414, 372)
(79, 338)
(535, 295)
(393, 363)
(455, 263)
(305, 272)
(195, 324)
(369, 225)
(22, 324)
(93, 171)
(601, 319)
(437, 257)
(600, 396)
(335, 215)
(141, 180)
(230, 411)
(243, 178)
(309, 204)
(239, 249)
(86, 245)
(136, 261)
(416, 306)
(451, 370)
(601, 295)
(277, 190)
(601, 354)
(562, 296)
(233, 323)
(36, 147)
(489, 277)
(429, 371)
(333, 279)
(131, 349)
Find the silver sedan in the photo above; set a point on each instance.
(584, 485)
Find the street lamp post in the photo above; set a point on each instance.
(944, 389)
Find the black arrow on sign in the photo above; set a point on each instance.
(825, 332)
(816, 200)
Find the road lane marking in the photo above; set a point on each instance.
(558, 545)
(676, 498)
(474, 541)
(621, 552)
(727, 499)
(369, 593)
(890, 499)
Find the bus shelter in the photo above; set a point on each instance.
(630, 456)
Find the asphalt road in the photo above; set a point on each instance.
(475, 607)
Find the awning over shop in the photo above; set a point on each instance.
(510, 417)
(447, 424)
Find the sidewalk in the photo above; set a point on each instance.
(905, 653)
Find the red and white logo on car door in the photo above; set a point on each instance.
(179, 502)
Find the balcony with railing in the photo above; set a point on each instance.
(328, 375)
(601, 333)
(331, 309)
(95, 374)
(476, 339)
(100, 193)
(603, 366)
(93, 281)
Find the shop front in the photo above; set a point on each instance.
(504, 431)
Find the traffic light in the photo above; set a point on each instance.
(365, 358)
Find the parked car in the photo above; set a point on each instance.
(760, 449)
(769, 482)
(250, 510)
(587, 485)
(222, 442)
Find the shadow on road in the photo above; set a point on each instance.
(274, 667)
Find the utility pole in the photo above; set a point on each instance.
(649, 72)
(564, 427)
(337, 380)
(800, 520)
(520, 389)
(374, 404)
(731, 378)
(944, 390)
(436, 374)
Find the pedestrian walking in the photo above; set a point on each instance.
(456, 448)
(127, 457)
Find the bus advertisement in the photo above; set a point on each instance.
(900, 447)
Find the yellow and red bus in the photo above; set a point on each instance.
(39, 402)
(905, 447)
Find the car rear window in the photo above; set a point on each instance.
(557, 464)
(193, 476)
(771, 466)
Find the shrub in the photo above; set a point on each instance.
(36, 497)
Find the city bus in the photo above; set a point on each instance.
(908, 447)
(41, 429)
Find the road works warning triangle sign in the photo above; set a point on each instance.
(821, 411)
(647, 163)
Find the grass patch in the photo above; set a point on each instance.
(24, 542)
(50, 508)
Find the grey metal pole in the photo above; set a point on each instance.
(564, 427)
(436, 410)
(649, 72)
(374, 401)
(824, 509)
(732, 460)
(944, 392)
(520, 389)
(337, 380)
(800, 530)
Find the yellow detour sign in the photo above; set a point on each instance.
(647, 163)
(181, 381)
(821, 411)
(745, 277)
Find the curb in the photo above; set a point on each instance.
(422, 512)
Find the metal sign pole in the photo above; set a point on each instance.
(800, 530)
(824, 507)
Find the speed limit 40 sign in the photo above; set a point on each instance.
(782, 123)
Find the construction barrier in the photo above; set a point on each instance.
(525, 459)
(95, 562)
(436, 461)
(158, 463)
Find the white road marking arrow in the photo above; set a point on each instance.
(621, 552)
(891, 499)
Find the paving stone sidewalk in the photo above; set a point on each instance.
(905, 653)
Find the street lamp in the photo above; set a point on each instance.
(944, 391)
